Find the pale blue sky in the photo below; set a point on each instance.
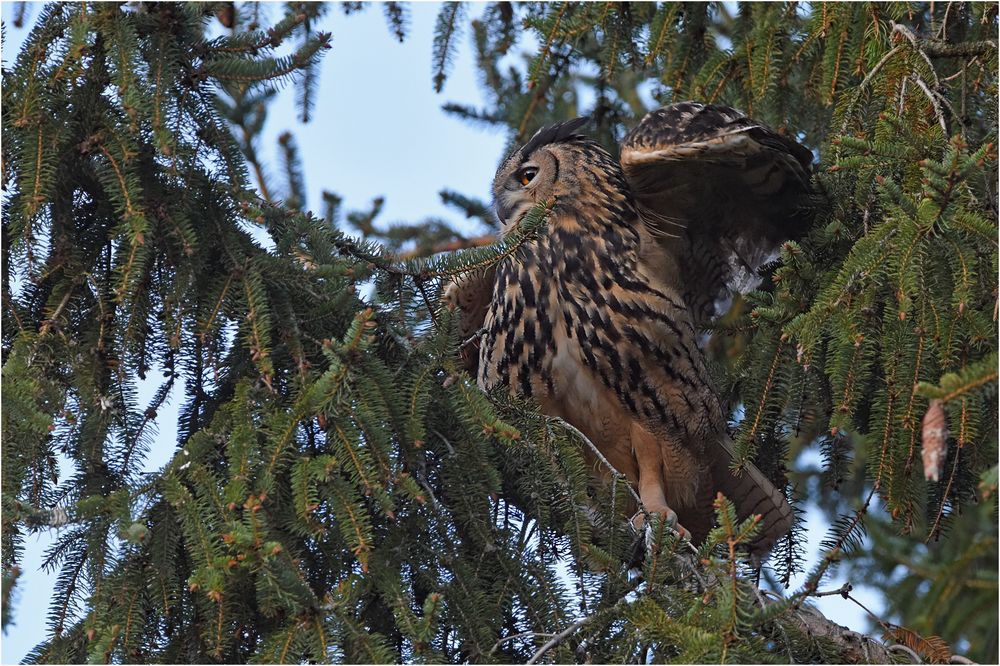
(378, 130)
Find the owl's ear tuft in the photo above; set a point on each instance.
(554, 134)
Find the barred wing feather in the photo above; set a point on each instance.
(720, 191)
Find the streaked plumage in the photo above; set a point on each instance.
(596, 319)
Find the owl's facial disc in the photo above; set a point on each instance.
(521, 184)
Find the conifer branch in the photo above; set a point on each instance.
(450, 246)
(898, 28)
(934, 103)
(255, 41)
(546, 48)
(600, 456)
(326, 446)
(445, 36)
(576, 626)
(942, 49)
(525, 634)
(958, 384)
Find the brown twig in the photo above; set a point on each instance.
(882, 623)
(843, 590)
(560, 637)
(51, 320)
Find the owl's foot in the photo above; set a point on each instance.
(667, 515)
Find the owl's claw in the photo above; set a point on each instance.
(667, 515)
(643, 539)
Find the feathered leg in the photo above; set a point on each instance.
(652, 491)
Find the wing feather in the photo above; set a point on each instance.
(472, 294)
(720, 191)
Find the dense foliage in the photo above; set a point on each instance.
(341, 490)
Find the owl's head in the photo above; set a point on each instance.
(543, 169)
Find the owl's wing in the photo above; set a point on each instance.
(720, 192)
(471, 294)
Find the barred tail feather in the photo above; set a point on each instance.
(753, 493)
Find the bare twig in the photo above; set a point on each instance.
(473, 340)
(917, 46)
(934, 102)
(868, 77)
(951, 110)
(914, 657)
(875, 617)
(430, 492)
(526, 634)
(451, 449)
(879, 65)
(560, 637)
(597, 452)
(52, 320)
(474, 337)
(573, 628)
(943, 31)
(960, 72)
(844, 591)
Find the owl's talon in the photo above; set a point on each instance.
(668, 516)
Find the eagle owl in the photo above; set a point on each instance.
(597, 318)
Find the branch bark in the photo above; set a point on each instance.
(853, 647)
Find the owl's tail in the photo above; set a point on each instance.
(753, 493)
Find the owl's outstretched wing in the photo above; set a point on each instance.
(720, 192)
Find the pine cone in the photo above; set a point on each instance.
(934, 437)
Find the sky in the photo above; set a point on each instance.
(378, 130)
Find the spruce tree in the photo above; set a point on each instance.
(341, 490)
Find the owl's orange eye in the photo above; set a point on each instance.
(527, 175)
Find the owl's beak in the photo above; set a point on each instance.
(502, 213)
(505, 206)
